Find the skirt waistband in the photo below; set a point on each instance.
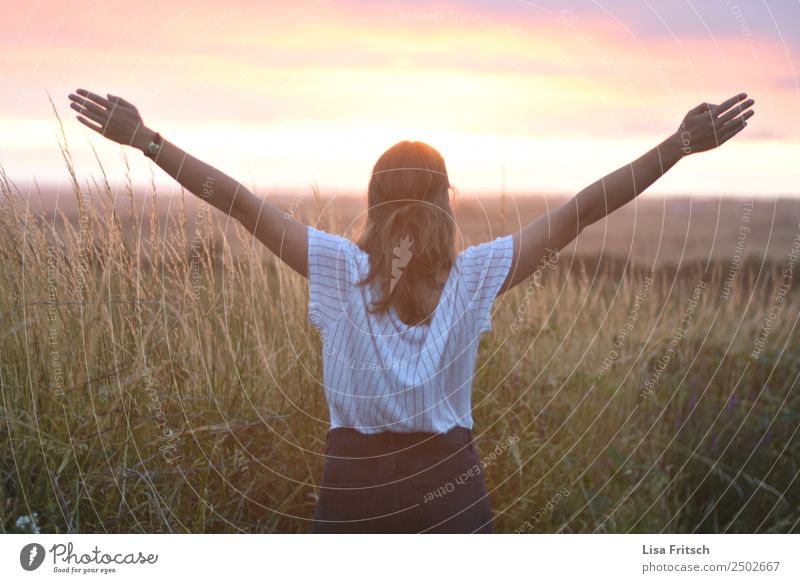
(397, 440)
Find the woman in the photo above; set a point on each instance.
(400, 313)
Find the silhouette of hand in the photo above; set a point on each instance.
(113, 118)
(708, 126)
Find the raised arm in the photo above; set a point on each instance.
(705, 127)
(120, 121)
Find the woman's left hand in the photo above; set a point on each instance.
(708, 126)
(111, 117)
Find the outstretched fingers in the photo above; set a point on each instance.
(95, 97)
(88, 104)
(736, 111)
(89, 124)
(91, 111)
(733, 127)
(739, 121)
(727, 104)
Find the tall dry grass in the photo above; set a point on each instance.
(152, 380)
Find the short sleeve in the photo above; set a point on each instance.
(332, 274)
(484, 269)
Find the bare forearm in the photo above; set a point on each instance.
(201, 179)
(621, 186)
(281, 233)
(704, 127)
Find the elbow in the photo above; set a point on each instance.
(583, 212)
(588, 216)
(582, 222)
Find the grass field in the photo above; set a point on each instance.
(158, 374)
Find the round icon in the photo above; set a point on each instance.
(31, 556)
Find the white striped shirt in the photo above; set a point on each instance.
(381, 374)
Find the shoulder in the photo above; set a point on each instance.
(497, 252)
(330, 249)
(324, 240)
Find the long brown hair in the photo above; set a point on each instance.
(410, 231)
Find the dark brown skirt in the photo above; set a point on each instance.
(402, 483)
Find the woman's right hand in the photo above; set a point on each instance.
(708, 126)
(113, 118)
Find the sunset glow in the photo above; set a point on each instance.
(536, 98)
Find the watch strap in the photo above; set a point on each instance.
(154, 146)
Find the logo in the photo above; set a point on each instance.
(402, 255)
(31, 556)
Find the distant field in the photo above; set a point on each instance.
(652, 230)
(159, 378)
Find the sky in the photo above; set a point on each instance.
(521, 96)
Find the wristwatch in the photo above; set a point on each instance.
(154, 146)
